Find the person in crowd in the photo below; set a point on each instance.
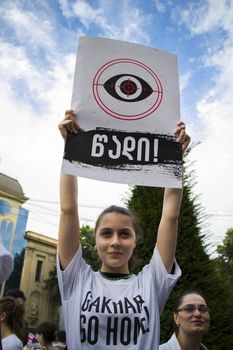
(191, 320)
(20, 298)
(61, 340)
(6, 263)
(46, 334)
(111, 308)
(11, 318)
(17, 294)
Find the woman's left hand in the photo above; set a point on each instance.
(182, 137)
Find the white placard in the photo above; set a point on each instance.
(126, 97)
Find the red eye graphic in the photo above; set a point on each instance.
(140, 85)
(128, 87)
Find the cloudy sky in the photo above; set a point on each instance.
(38, 45)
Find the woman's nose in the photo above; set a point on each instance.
(115, 239)
(197, 313)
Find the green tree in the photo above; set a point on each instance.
(198, 271)
(89, 250)
(89, 254)
(225, 253)
(224, 262)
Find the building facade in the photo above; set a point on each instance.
(39, 260)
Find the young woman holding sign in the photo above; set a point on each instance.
(112, 309)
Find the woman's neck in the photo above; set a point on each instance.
(189, 341)
(5, 330)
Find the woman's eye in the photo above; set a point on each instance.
(106, 233)
(128, 87)
(125, 233)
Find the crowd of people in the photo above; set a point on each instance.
(111, 308)
(14, 331)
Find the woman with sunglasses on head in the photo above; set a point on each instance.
(111, 308)
(191, 320)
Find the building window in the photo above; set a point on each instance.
(38, 271)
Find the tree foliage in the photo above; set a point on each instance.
(224, 262)
(225, 252)
(89, 254)
(88, 244)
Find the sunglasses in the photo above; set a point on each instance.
(190, 309)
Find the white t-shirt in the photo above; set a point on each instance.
(122, 314)
(6, 263)
(173, 344)
(12, 343)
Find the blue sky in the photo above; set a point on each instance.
(38, 44)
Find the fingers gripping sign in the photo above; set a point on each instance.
(68, 124)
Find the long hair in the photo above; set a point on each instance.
(14, 315)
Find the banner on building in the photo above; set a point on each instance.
(13, 220)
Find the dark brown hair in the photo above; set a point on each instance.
(119, 210)
(16, 293)
(14, 314)
(48, 331)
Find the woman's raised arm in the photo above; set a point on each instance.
(69, 230)
(168, 227)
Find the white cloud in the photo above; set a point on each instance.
(214, 154)
(184, 79)
(122, 20)
(211, 15)
(86, 13)
(214, 163)
(160, 6)
(31, 29)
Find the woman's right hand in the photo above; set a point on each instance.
(68, 124)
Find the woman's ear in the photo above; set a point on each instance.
(176, 319)
(2, 316)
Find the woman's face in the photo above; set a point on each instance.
(115, 242)
(194, 321)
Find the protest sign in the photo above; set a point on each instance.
(126, 97)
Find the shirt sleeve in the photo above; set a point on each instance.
(69, 278)
(163, 282)
(6, 263)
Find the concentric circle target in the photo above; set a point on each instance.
(136, 91)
